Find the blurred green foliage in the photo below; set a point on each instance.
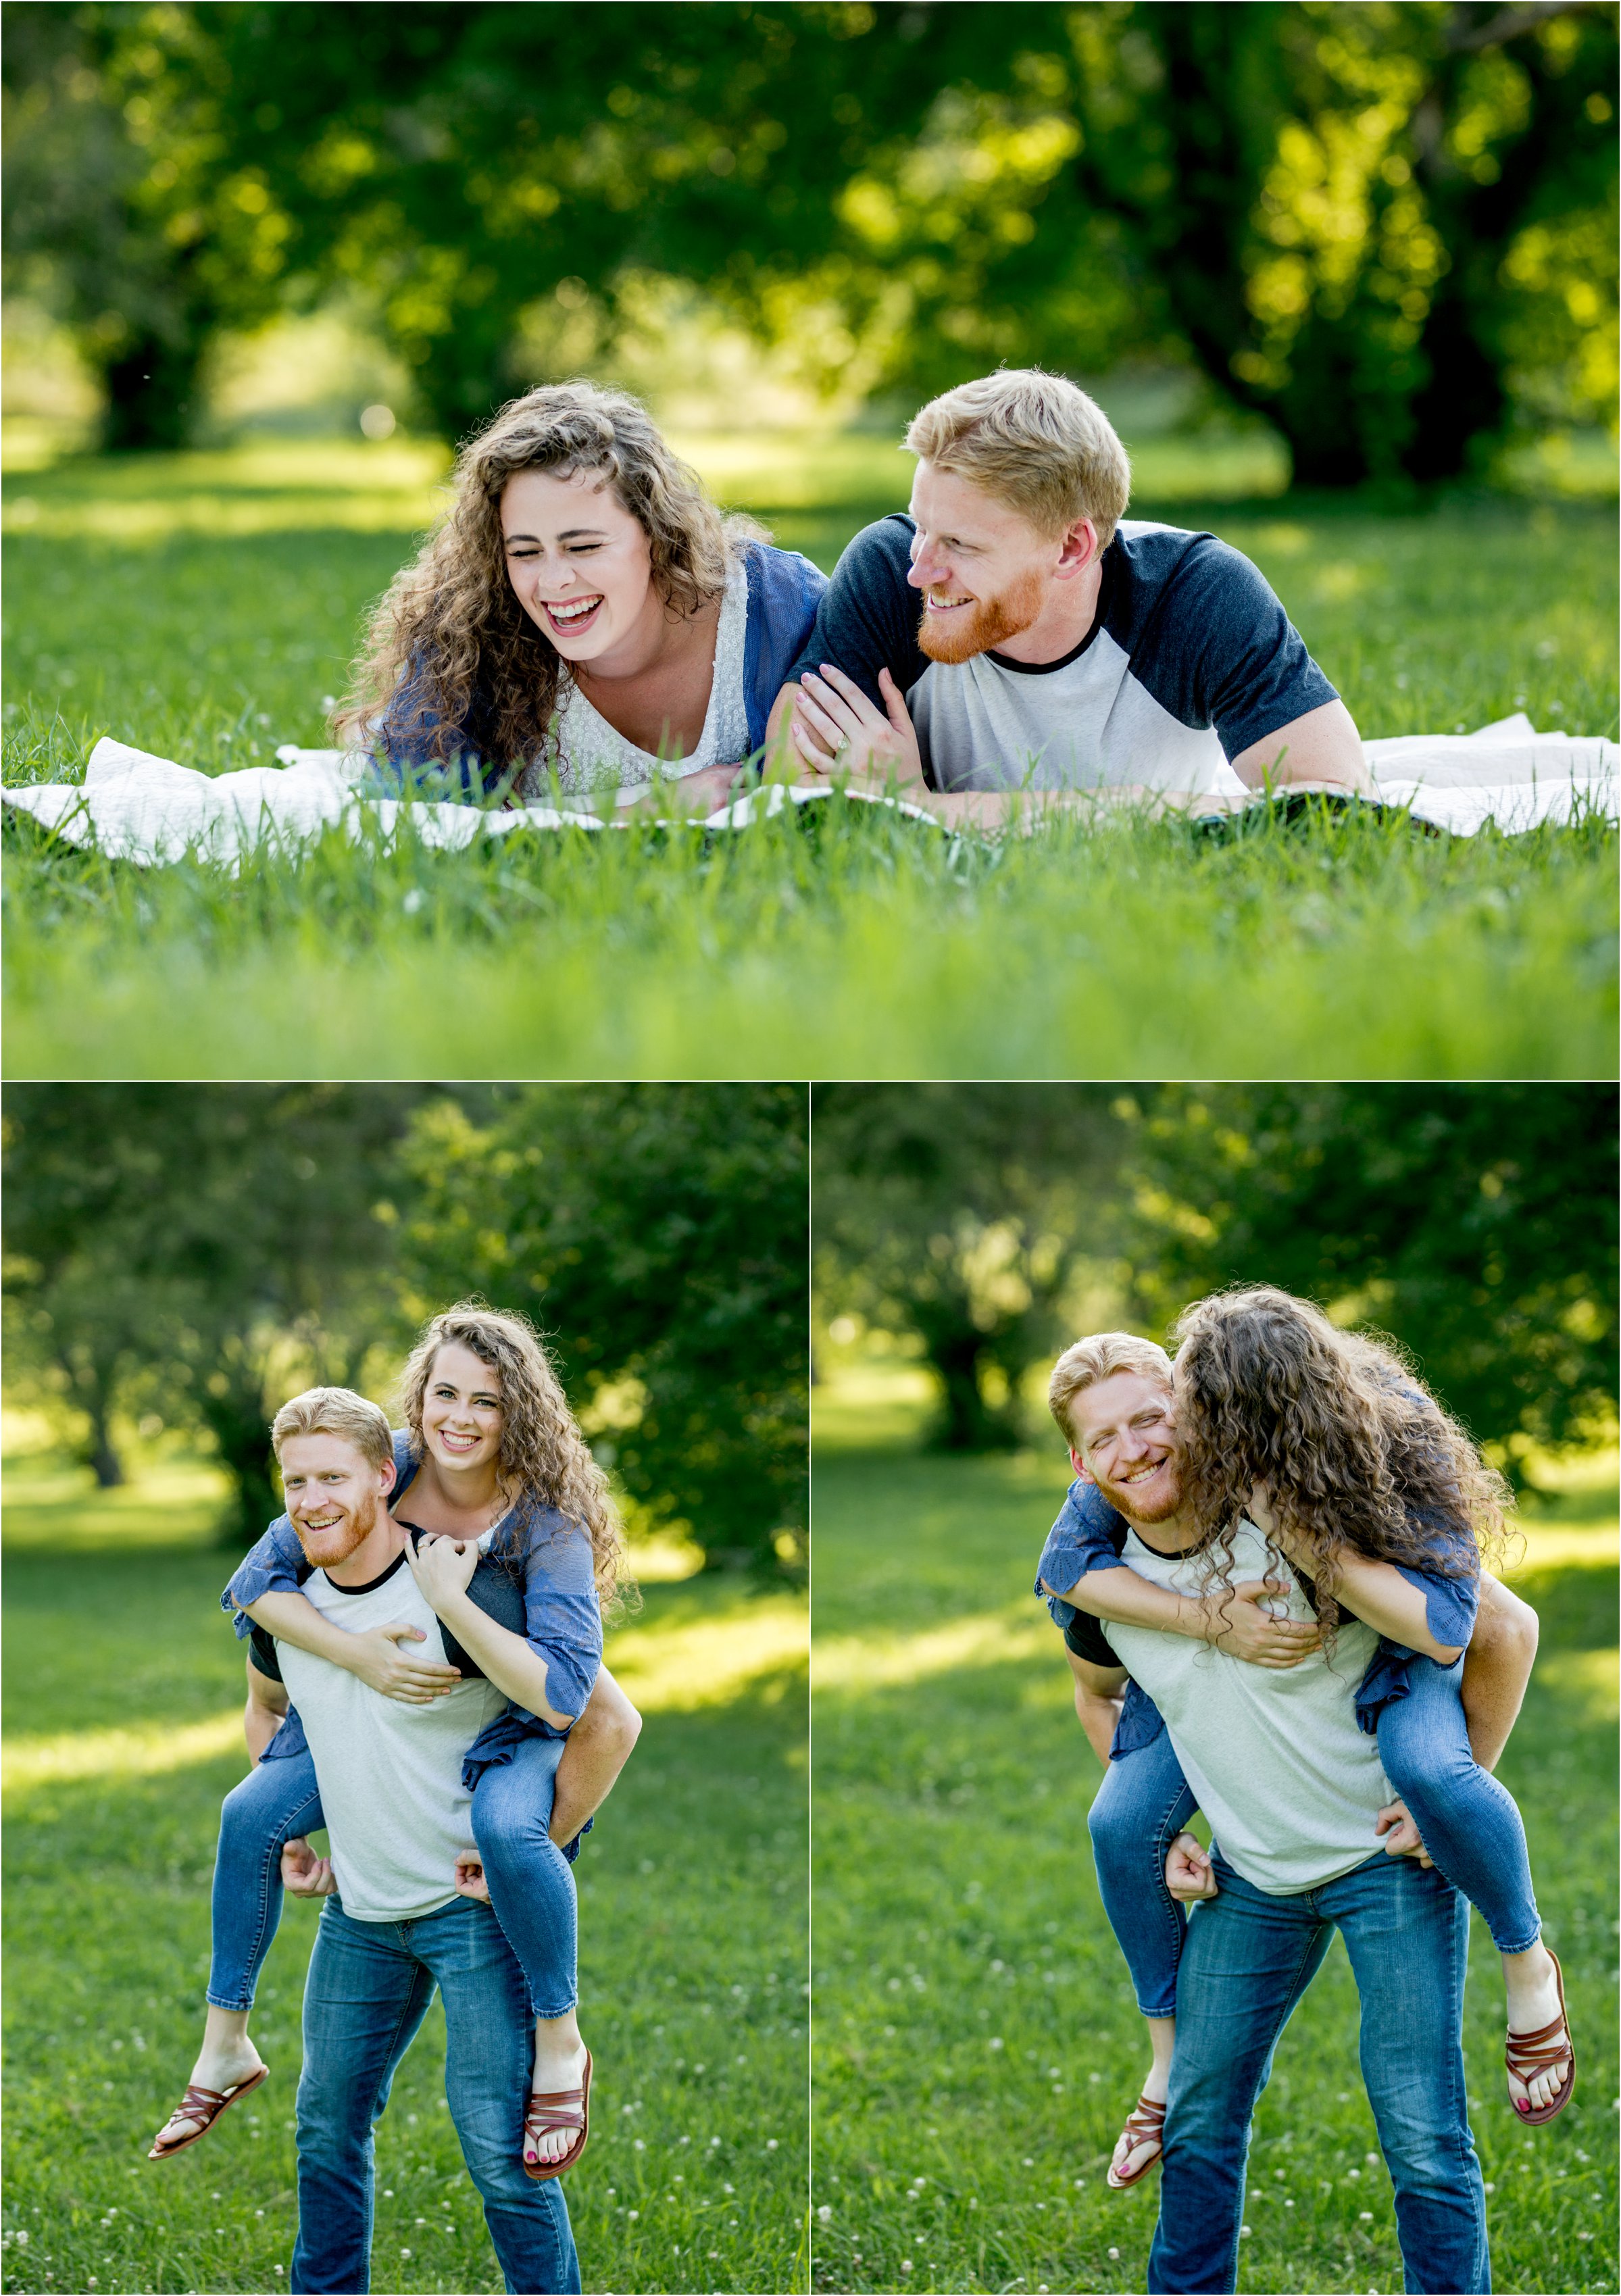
(199, 1254)
(1387, 226)
(1475, 1223)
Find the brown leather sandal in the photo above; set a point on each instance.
(559, 2108)
(205, 2105)
(1527, 2054)
(1143, 2125)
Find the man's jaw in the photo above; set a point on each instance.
(325, 1543)
(954, 626)
(1146, 1493)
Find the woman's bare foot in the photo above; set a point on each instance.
(227, 2059)
(1534, 2001)
(1134, 2152)
(560, 2063)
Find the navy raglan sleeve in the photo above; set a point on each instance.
(867, 618)
(1223, 653)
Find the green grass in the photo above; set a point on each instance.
(203, 606)
(956, 1908)
(691, 1905)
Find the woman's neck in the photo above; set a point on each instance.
(656, 638)
(470, 1491)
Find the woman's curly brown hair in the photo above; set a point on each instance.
(543, 1455)
(450, 654)
(1350, 1446)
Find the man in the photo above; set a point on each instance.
(1293, 1791)
(398, 1818)
(1009, 633)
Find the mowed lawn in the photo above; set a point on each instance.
(976, 2044)
(123, 1691)
(204, 607)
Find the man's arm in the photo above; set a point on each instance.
(1098, 1697)
(599, 1746)
(1496, 1668)
(1232, 1619)
(263, 1715)
(1321, 750)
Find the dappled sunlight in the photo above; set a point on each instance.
(877, 1661)
(142, 1750)
(1591, 1676)
(1545, 1547)
(689, 1663)
(53, 1504)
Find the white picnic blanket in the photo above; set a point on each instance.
(146, 809)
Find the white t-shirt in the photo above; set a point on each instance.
(1289, 1784)
(390, 1774)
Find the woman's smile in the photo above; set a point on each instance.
(571, 616)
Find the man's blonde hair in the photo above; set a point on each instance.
(1034, 441)
(1098, 1358)
(336, 1411)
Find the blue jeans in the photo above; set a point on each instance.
(1470, 1823)
(531, 1883)
(1247, 1959)
(368, 1989)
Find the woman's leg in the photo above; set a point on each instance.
(276, 1802)
(1472, 1831)
(1142, 1805)
(531, 1889)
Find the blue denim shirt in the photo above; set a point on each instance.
(1089, 1534)
(563, 1617)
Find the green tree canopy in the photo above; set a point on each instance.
(1388, 225)
(657, 1233)
(959, 1213)
(201, 1249)
(1475, 1223)
(202, 1252)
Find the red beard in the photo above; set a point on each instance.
(337, 1544)
(991, 621)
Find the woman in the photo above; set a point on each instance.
(1333, 1449)
(491, 1456)
(583, 620)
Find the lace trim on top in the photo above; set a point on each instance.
(590, 754)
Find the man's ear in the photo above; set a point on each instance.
(386, 1478)
(1080, 1466)
(1080, 549)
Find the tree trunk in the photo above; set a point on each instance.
(238, 1425)
(102, 1454)
(969, 1423)
(150, 392)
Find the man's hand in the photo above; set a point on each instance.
(1240, 1624)
(1405, 1840)
(304, 1873)
(470, 1880)
(382, 1665)
(836, 729)
(443, 1567)
(1189, 1874)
